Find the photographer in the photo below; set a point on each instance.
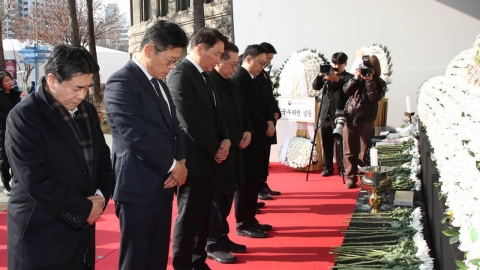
(364, 91)
(333, 98)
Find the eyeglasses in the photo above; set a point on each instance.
(169, 61)
(263, 64)
(232, 65)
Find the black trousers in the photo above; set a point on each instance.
(145, 235)
(219, 229)
(269, 149)
(328, 145)
(246, 203)
(194, 202)
(5, 172)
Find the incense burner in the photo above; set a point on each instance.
(376, 190)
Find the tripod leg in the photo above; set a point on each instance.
(339, 157)
(317, 125)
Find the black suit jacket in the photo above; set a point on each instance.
(48, 207)
(146, 136)
(231, 174)
(255, 155)
(201, 121)
(271, 102)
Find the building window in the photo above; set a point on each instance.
(183, 4)
(25, 9)
(207, 1)
(147, 10)
(162, 8)
(25, 3)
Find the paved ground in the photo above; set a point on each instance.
(4, 199)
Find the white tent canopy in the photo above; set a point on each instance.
(109, 60)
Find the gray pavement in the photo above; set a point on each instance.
(4, 199)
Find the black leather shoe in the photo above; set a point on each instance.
(260, 204)
(263, 227)
(251, 232)
(326, 173)
(221, 256)
(231, 246)
(267, 190)
(264, 196)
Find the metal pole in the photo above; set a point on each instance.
(35, 46)
(35, 66)
(36, 32)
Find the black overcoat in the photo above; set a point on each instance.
(271, 102)
(255, 155)
(48, 207)
(231, 175)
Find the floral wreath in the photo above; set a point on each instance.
(383, 55)
(311, 60)
(473, 69)
(298, 153)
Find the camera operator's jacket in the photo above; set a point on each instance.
(363, 98)
(333, 94)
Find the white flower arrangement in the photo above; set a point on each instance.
(298, 153)
(473, 68)
(448, 107)
(383, 55)
(296, 76)
(423, 251)
(458, 66)
(414, 166)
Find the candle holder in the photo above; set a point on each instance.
(409, 115)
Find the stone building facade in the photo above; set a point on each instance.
(218, 15)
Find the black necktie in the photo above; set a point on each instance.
(159, 93)
(210, 85)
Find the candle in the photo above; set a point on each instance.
(409, 107)
(373, 156)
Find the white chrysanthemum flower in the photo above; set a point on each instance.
(416, 224)
(298, 153)
(423, 252)
(416, 213)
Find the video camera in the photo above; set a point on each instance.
(365, 67)
(326, 68)
(340, 123)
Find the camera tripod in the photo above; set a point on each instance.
(317, 125)
(337, 140)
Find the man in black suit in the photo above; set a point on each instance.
(230, 175)
(206, 144)
(271, 102)
(255, 155)
(148, 148)
(333, 98)
(63, 173)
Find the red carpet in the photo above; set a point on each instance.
(306, 220)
